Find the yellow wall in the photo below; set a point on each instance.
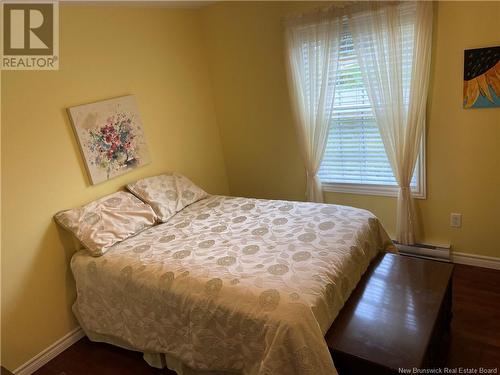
(245, 48)
(153, 53)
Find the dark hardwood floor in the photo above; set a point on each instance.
(475, 333)
(474, 339)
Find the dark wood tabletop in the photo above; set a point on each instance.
(393, 314)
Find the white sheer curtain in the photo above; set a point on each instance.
(312, 47)
(393, 45)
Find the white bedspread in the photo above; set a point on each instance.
(232, 284)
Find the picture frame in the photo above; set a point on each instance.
(111, 137)
(481, 78)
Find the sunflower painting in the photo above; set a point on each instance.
(482, 77)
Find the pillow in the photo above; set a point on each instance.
(106, 221)
(167, 193)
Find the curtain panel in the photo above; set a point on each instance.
(393, 45)
(312, 48)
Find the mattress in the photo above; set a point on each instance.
(231, 284)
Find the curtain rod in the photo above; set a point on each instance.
(336, 8)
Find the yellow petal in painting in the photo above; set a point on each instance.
(483, 86)
(493, 78)
(472, 92)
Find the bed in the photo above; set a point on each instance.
(230, 285)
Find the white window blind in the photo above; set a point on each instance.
(355, 155)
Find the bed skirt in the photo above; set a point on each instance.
(156, 360)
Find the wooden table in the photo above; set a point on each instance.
(395, 317)
(4, 371)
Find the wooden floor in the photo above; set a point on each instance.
(474, 341)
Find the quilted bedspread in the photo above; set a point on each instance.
(232, 284)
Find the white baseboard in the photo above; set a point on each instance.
(49, 353)
(443, 252)
(475, 260)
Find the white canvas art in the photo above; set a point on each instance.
(111, 137)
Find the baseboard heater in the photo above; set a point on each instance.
(425, 251)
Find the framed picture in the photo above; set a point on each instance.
(482, 77)
(110, 136)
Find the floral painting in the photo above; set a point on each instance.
(482, 77)
(111, 137)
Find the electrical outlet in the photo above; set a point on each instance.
(455, 220)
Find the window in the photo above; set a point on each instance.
(355, 160)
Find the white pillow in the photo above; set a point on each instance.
(167, 193)
(107, 221)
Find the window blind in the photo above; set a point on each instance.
(355, 152)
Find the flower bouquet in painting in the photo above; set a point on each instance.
(111, 137)
(112, 145)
